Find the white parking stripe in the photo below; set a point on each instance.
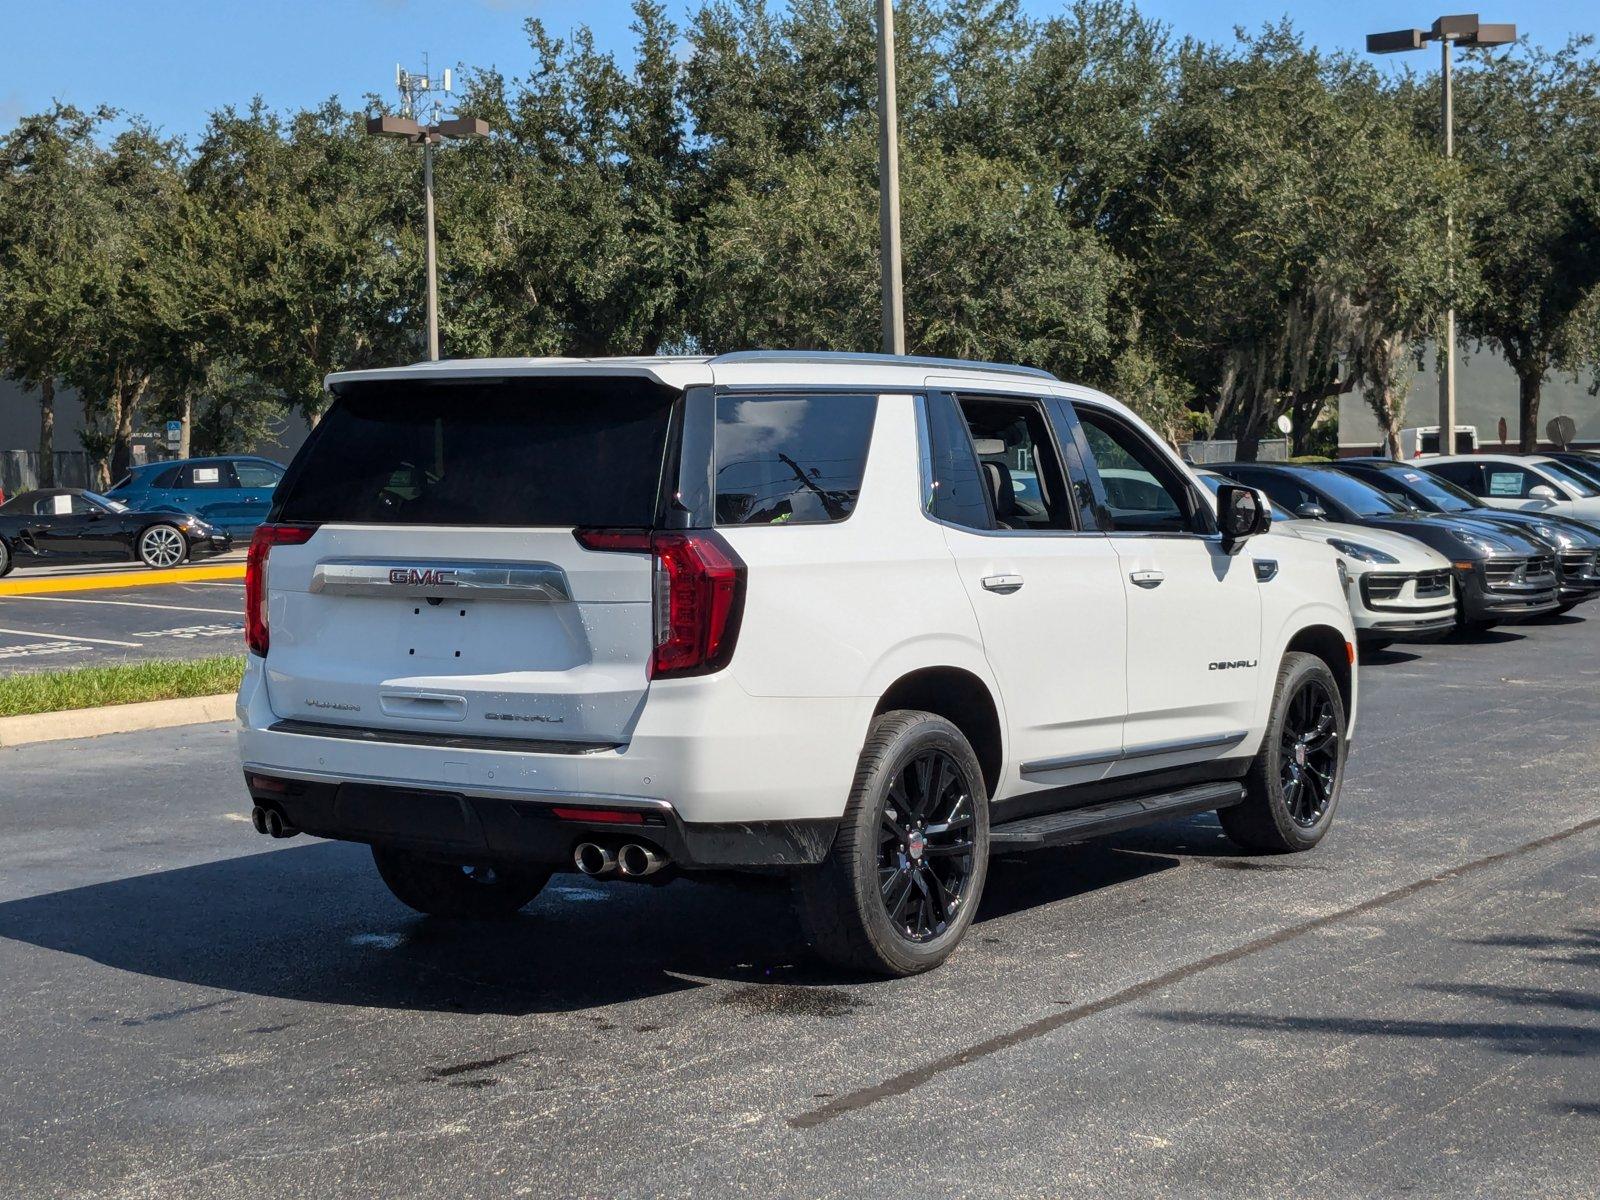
(71, 637)
(227, 612)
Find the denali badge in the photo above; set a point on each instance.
(1237, 665)
(428, 577)
(531, 717)
(332, 706)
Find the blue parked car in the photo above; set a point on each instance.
(231, 492)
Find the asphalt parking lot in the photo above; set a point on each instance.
(52, 629)
(1412, 1009)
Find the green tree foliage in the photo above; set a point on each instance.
(1528, 135)
(47, 216)
(1219, 234)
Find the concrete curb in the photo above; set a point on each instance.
(114, 718)
(34, 585)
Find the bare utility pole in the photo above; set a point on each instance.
(894, 313)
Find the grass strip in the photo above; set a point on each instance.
(125, 683)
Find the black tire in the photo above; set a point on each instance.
(934, 885)
(444, 889)
(1291, 796)
(158, 544)
(5, 559)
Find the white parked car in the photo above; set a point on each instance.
(859, 619)
(1521, 481)
(1399, 590)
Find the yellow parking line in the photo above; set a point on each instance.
(119, 579)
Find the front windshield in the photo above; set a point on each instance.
(1358, 497)
(105, 502)
(1589, 468)
(1570, 477)
(1439, 493)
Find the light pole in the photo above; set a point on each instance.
(429, 136)
(894, 315)
(1465, 30)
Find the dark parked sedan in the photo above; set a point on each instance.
(1501, 574)
(71, 525)
(1576, 543)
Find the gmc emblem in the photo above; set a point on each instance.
(430, 577)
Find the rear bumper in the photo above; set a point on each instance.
(543, 832)
(701, 750)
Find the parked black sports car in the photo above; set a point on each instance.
(1576, 542)
(1502, 574)
(69, 524)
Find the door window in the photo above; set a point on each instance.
(1462, 474)
(167, 479)
(960, 492)
(202, 476)
(1143, 492)
(1022, 480)
(257, 474)
(1507, 481)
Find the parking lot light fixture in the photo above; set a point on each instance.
(429, 136)
(1466, 30)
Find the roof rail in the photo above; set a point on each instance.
(844, 357)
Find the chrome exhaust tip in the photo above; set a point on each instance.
(594, 860)
(636, 861)
(258, 818)
(275, 824)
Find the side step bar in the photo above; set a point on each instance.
(1097, 820)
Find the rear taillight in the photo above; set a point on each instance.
(698, 592)
(255, 578)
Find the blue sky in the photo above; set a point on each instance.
(175, 61)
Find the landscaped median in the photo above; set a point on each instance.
(88, 701)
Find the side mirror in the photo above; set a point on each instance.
(95, 514)
(1241, 513)
(1310, 511)
(1543, 491)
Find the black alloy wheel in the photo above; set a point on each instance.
(1292, 786)
(925, 846)
(901, 883)
(1309, 757)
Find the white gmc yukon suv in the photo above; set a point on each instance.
(860, 619)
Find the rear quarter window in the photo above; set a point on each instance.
(791, 459)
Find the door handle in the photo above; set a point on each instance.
(1004, 584)
(1147, 579)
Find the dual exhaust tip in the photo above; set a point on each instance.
(271, 822)
(631, 860)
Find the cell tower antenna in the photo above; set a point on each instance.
(421, 93)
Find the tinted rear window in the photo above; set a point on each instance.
(794, 460)
(523, 452)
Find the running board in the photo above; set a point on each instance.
(1081, 824)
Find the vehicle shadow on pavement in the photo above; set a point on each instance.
(1386, 657)
(1499, 635)
(1500, 1029)
(314, 923)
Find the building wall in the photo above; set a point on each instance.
(1486, 390)
(19, 427)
